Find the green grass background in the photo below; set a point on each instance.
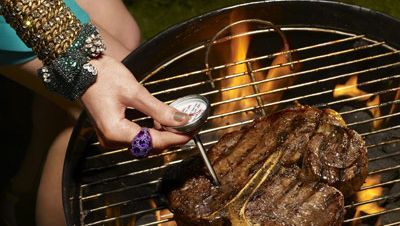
(154, 16)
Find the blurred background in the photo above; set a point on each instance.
(156, 15)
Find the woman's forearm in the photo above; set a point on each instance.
(46, 26)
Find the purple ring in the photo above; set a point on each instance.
(141, 144)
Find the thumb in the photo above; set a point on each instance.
(168, 116)
(160, 112)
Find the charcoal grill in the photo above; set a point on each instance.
(330, 44)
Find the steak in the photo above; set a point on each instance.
(286, 200)
(336, 155)
(283, 169)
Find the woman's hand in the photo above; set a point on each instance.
(116, 89)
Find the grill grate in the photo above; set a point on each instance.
(117, 188)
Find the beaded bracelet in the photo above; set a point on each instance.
(59, 40)
(71, 74)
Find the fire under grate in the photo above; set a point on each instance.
(351, 73)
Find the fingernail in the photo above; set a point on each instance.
(180, 116)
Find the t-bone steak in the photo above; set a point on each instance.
(293, 167)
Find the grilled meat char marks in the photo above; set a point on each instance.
(286, 200)
(237, 155)
(198, 189)
(336, 155)
(315, 144)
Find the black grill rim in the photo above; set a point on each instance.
(346, 17)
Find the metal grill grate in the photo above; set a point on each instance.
(117, 189)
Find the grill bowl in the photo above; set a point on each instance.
(94, 179)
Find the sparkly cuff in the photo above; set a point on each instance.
(47, 26)
(71, 74)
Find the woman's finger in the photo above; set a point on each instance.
(122, 133)
(160, 139)
(160, 112)
(157, 125)
(164, 139)
(118, 134)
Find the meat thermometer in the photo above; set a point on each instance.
(198, 108)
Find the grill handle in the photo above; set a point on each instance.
(267, 24)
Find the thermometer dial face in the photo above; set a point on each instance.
(194, 108)
(197, 107)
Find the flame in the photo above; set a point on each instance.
(162, 215)
(157, 214)
(114, 212)
(394, 106)
(239, 47)
(276, 84)
(350, 89)
(376, 112)
(166, 214)
(366, 195)
(169, 157)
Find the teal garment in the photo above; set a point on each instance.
(12, 48)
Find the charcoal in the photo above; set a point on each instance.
(357, 117)
(383, 163)
(392, 216)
